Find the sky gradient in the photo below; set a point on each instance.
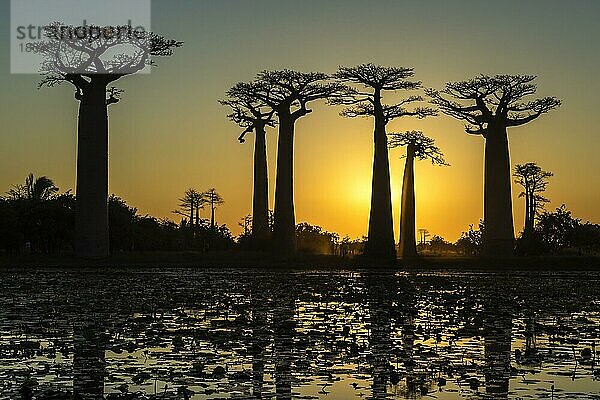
(169, 133)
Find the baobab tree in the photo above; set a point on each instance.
(534, 181)
(288, 94)
(489, 105)
(367, 101)
(91, 63)
(420, 147)
(255, 116)
(214, 200)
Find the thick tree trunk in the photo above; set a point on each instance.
(284, 229)
(260, 201)
(91, 222)
(498, 217)
(407, 243)
(380, 243)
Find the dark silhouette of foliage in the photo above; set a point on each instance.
(91, 66)
(36, 218)
(489, 105)
(364, 98)
(471, 242)
(315, 240)
(420, 147)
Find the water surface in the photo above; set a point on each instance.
(201, 334)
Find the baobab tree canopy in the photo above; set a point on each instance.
(423, 147)
(115, 51)
(487, 99)
(247, 110)
(370, 76)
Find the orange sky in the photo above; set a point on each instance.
(169, 133)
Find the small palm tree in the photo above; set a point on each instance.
(35, 189)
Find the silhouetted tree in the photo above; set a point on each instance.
(534, 181)
(91, 66)
(421, 147)
(369, 103)
(489, 105)
(213, 199)
(34, 190)
(288, 93)
(254, 115)
(191, 202)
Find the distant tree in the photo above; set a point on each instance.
(190, 205)
(289, 93)
(91, 66)
(420, 147)
(254, 115)
(534, 181)
(489, 105)
(367, 101)
(214, 200)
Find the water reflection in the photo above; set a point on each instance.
(185, 334)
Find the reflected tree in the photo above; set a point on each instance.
(489, 105)
(418, 146)
(365, 99)
(91, 66)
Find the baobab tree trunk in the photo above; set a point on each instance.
(284, 229)
(407, 243)
(260, 201)
(380, 243)
(91, 221)
(498, 218)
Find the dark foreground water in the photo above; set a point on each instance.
(195, 334)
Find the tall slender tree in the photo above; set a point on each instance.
(289, 93)
(489, 105)
(91, 65)
(421, 147)
(367, 101)
(534, 181)
(254, 115)
(214, 200)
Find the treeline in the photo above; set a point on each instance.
(36, 218)
(555, 233)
